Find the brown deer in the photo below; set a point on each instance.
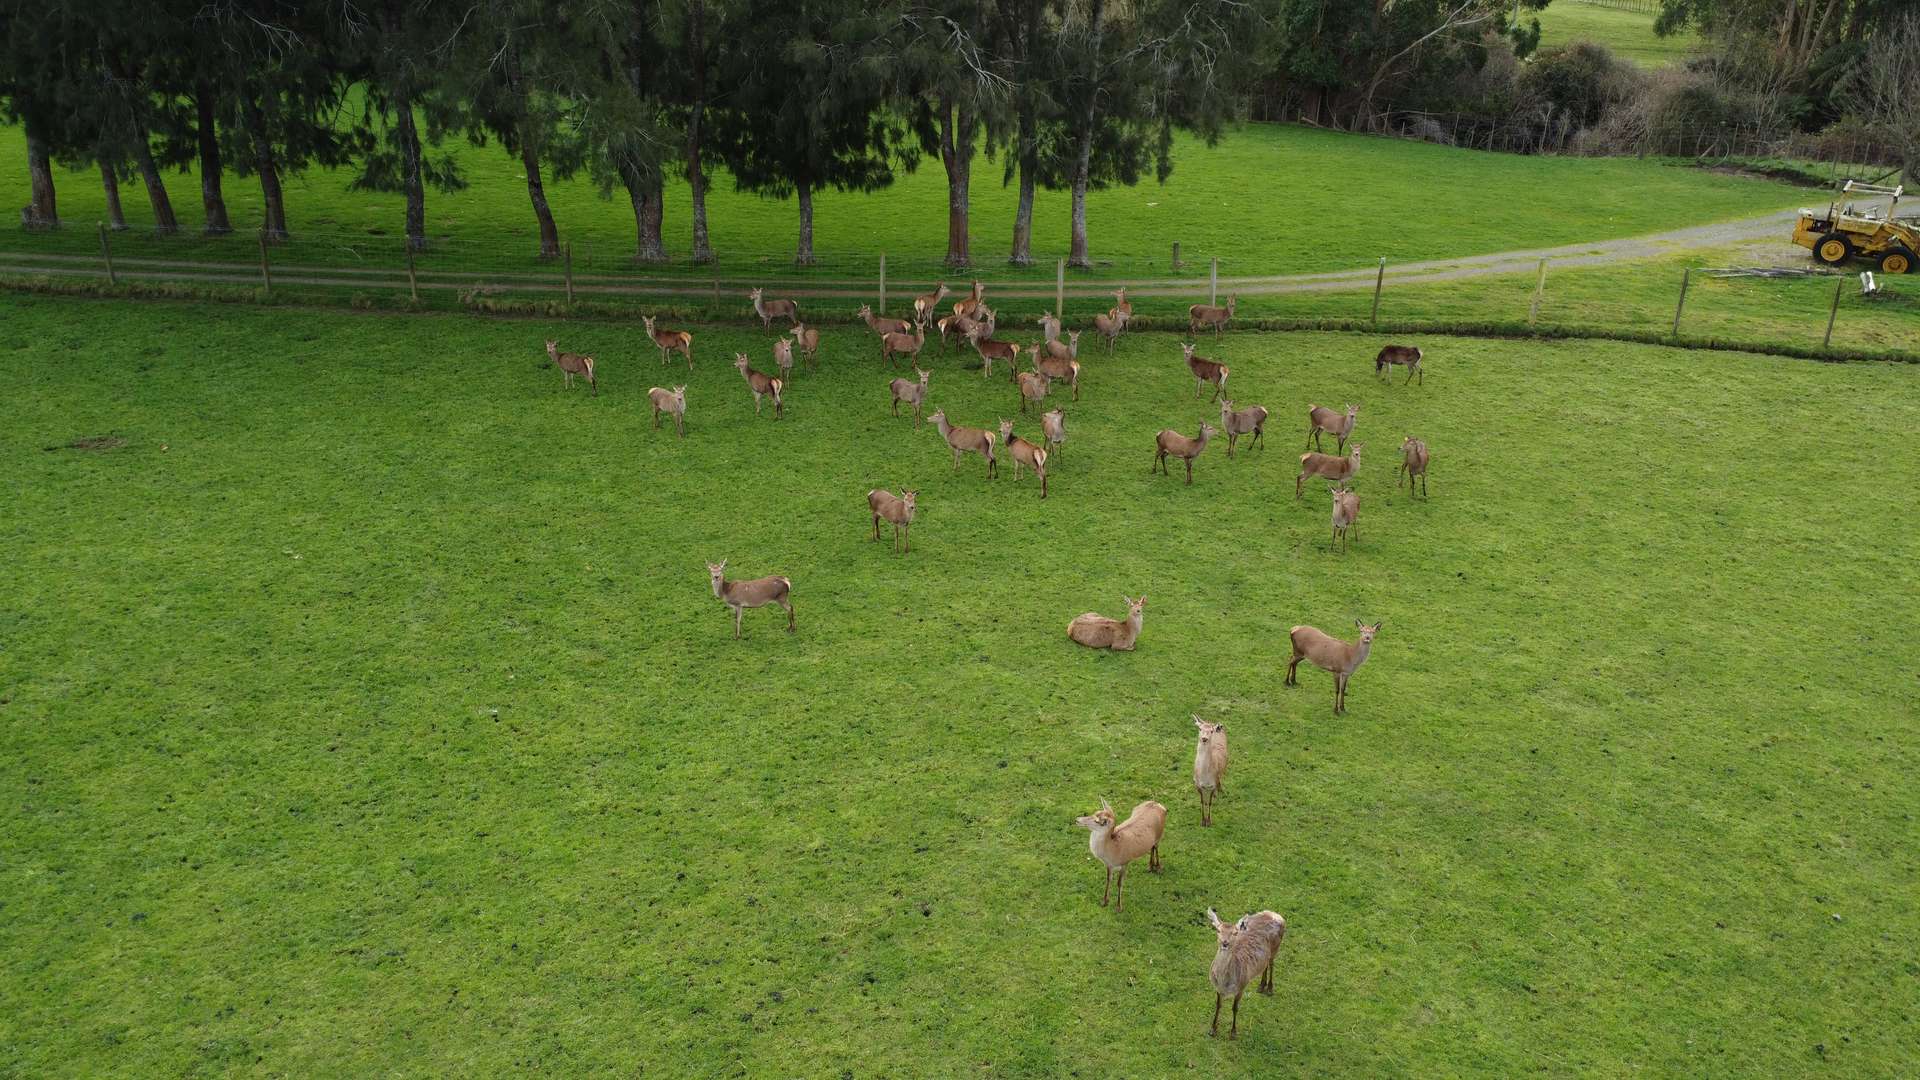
(1346, 513)
(1055, 367)
(1117, 845)
(783, 358)
(1067, 350)
(1335, 423)
(807, 340)
(1203, 315)
(1025, 453)
(673, 402)
(1340, 470)
(1049, 326)
(1172, 443)
(761, 385)
(1247, 949)
(1205, 372)
(966, 440)
(1332, 655)
(769, 310)
(881, 324)
(1413, 462)
(991, 350)
(911, 392)
(1251, 420)
(925, 306)
(955, 329)
(1033, 388)
(750, 594)
(1209, 766)
(1054, 424)
(1096, 631)
(897, 509)
(571, 364)
(1109, 326)
(1123, 305)
(972, 303)
(907, 345)
(1400, 354)
(670, 341)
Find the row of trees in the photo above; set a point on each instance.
(792, 97)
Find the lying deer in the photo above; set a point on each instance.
(783, 358)
(1330, 654)
(1118, 845)
(761, 385)
(1205, 372)
(750, 594)
(1400, 354)
(892, 345)
(1025, 453)
(966, 440)
(991, 350)
(1413, 462)
(1203, 315)
(807, 339)
(1346, 512)
(571, 364)
(670, 341)
(1056, 367)
(1054, 425)
(1033, 388)
(1096, 631)
(897, 509)
(1209, 766)
(673, 402)
(769, 310)
(1049, 326)
(925, 306)
(880, 324)
(1251, 420)
(1109, 326)
(1337, 424)
(1172, 443)
(1340, 470)
(972, 302)
(1246, 951)
(911, 392)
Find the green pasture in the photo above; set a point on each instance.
(1629, 34)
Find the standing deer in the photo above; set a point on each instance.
(1109, 326)
(881, 324)
(1054, 424)
(1123, 305)
(750, 594)
(972, 303)
(1413, 462)
(1049, 326)
(924, 306)
(673, 402)
(897, 509)
(1096, 631)
(1056, 367)
(907, 345)
(670, 341)
(571, 364)
(783, 358)
(1340, 470)
(911, 392)
(1346, 512)
(1332, 655)
(769, 310)
(1337, 424)
(761, 385)
(1024, 453)
(807, 339)
(1203, 315)
(1172, 443)
(958, 328)
(1251, 420)
(1209, 766)
(1408, 355)
(966, 440)
(1246, 951)
(1205, 372)
(991, 350)
(1033, 387)
(1067, 350)
(1117, 845)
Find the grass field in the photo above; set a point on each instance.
(366, 710)
(1628, 34)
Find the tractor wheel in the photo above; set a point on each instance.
(1896, 261)
(1833, 249)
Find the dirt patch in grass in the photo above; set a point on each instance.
(93, 442)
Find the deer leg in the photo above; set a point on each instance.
(788, 604)
(876, 525)
(1296, 485)
(736, 624)
(1411, 372)
(1216, 1015)
(1423, 484)
(1189, 471)
(1266, 979)
(1120, 892)
(1234, 1031)
(1230, 437)
(1339, 694)
(1153, 859)
(1108, 891)
(1043, 483)
(1292, 679)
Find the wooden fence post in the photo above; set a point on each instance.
(567, 253)
(1213, 284)
(1176, 254)
(106, 252)
(1379, 280)
(266, 275)
(1685, 277)
(1833, 312)
(1060, 290)
(413, 282)
(1539, 286)
(883, 283)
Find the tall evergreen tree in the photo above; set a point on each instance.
(957, 81)
(400, 49)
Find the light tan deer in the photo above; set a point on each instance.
(966, 440)
(1334, 423)
(896, 509)
(1109, 326)
(1340, 470)
(783, 358)
(1065, 350)
(955, 329)
(911, 392)
(769, 310)
(1400, 354)
(1123, 305)
(1054, 424)
(1054, 367)
(1170, 443)
(1022, 452)
(907, 345)
(1332, 655)
(1209, 766)
(881, 324)
(972, 301)
(1033, 388)
(672, 402)
(1205, 316)
(925, 306)
(1117, 845)
(1096, 631)
(750, 594)
(571, 364)
(1246, 952)
(991, 350)
(1346, 513)
(807, 340)
(1049, 326)
(1413, 462)
(670, 341)
(1251, 420)
(762, 385)
(1205, 372)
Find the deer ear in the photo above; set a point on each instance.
(1214, 919)
(1104, 805)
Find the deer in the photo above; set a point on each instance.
(1251, 420)
(1408, 355)
(750, 594)
(1065, 369)
(925, 306)
(670, 341)
(807, 340)
(1330, 654)
(1117, 845)
(1337, 424)
(972, 301)
(769, 310)
(892, 345)
(1340, 470)
(783, 358)
(1096, 631)
(1033, 388)
(1049, 326)
(911, 392)
(1413, 462)
(1054, 425)
(1247, 949)
(991, 350)
(897, 509)
(1209, 766)
(1067, 350)
(571, 364)
(1109, 326)
(958, 328)
(1200, 315)
(966, 440)
(672, 401)
(1172, 443)
(1123, 305)
(1346, 513)
(1205, 372)
(1025, 453)
(881, 324)
(761, 385)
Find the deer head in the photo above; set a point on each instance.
(1367, 632)
(717, 572)
(740, 361)
(1100, 820)
(1208, 731)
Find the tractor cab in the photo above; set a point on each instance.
(1851, 231)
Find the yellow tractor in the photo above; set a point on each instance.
(1848, 232)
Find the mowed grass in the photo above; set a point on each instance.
(1629, 34)
(367, 711)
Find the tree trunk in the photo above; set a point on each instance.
(273, 199)
(646, 197)
(537, 191)
(696, 177)
(956, 153)
(411, 179)
(110, 183)
(164, 222)
(41, 213)
(211, 200)
(1023, 214)
(1083, 153)
(803, 256)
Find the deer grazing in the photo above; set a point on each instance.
(1172, 443)
(1049, 326)
(1408, 355)
(1346, 513)
(750, 594)
(972, 302)
(1413, 462)
(1332, 655)
(1096, 631)
(807, 340)
(1205, 372)
(1209, 766)
(1335, 423)
(761, 385)
(1033, 388)
(1340, 470)
(881, 324)
(672, 401)
(911, 392)
(991, 350)
(1251, 420)
(670, 341)
(907, 345)
(1247, 949)
(1054, 425)
(769, 310)
(895, 508)
(1117, 845)
(1065, 369)
(1109, 326)
(1204, 315)
(1024, 453)
(966, 440)
(571, 364)
(925, 306)
(783, 358)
